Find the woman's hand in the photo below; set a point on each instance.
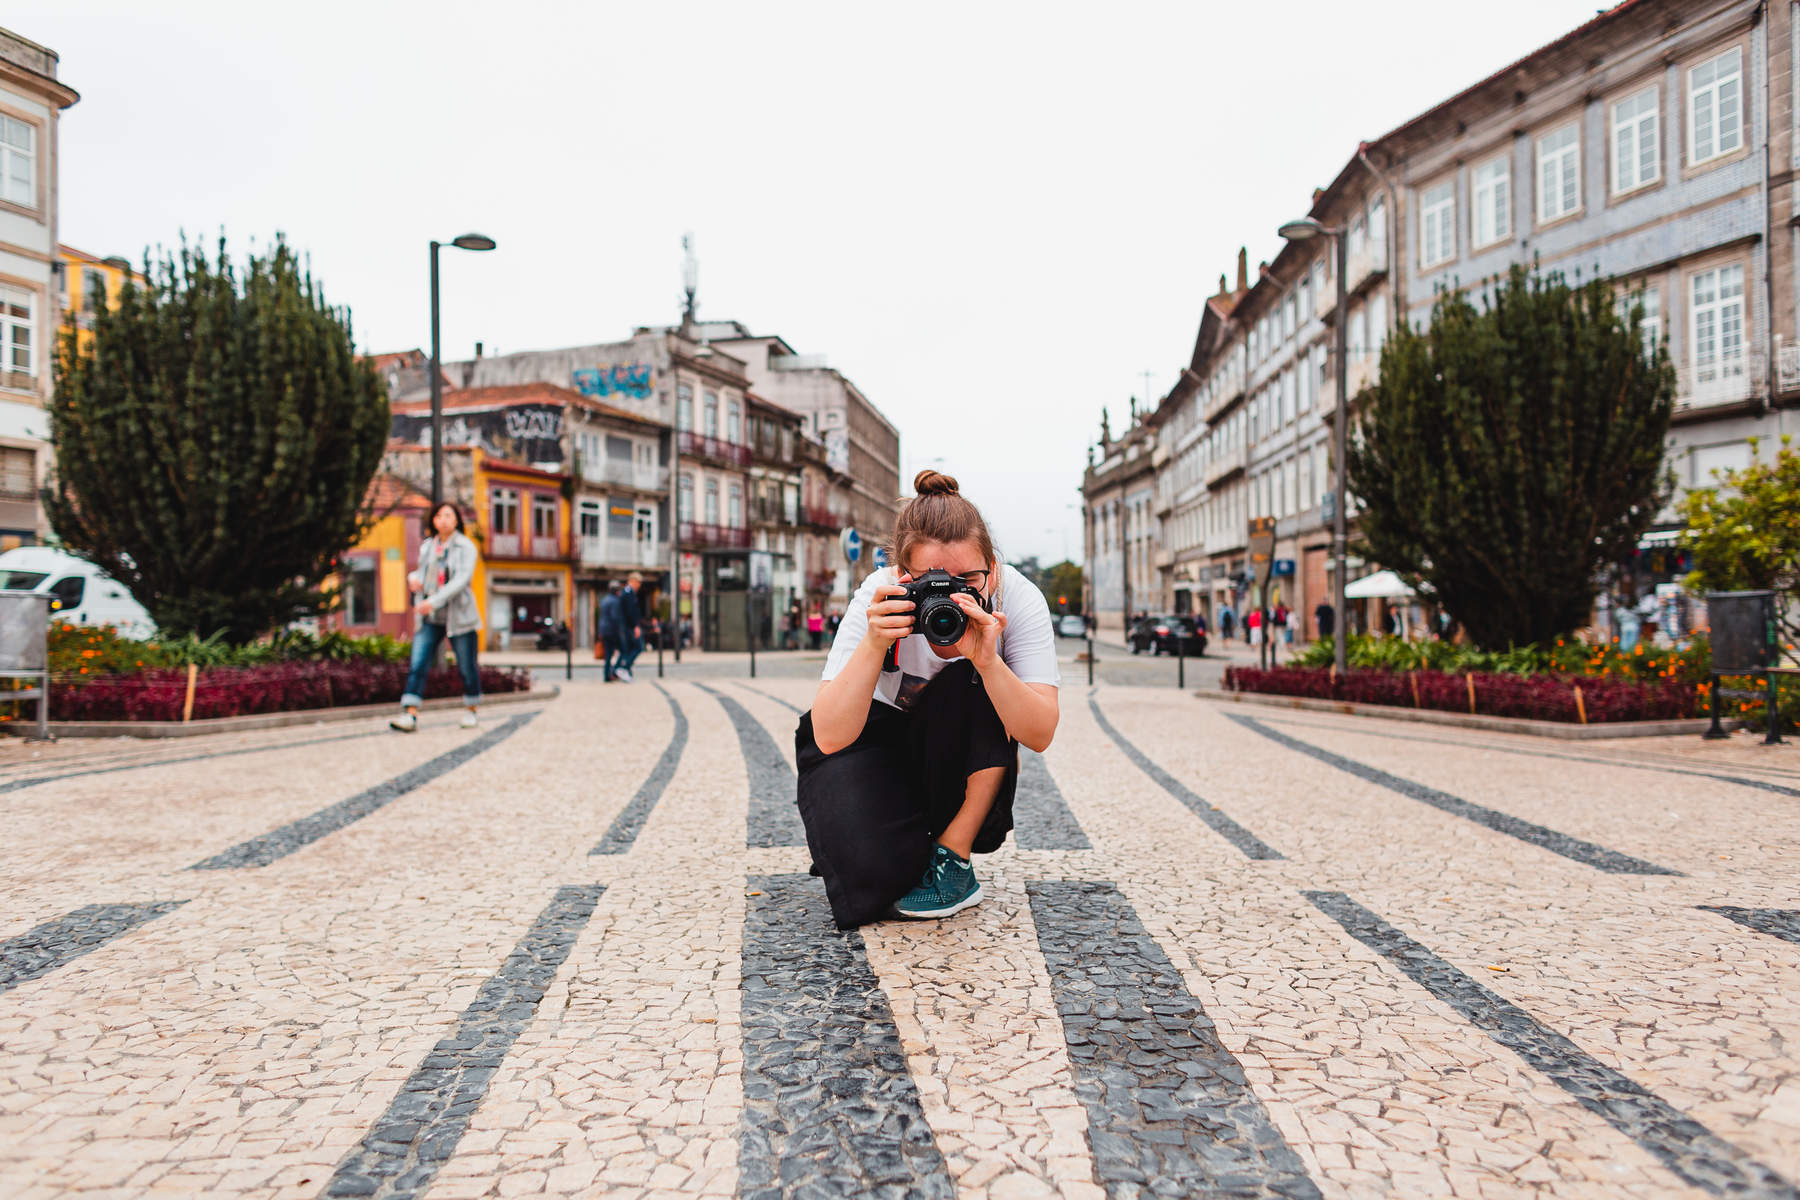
(980, 642)
(890, 619)
(423, 608)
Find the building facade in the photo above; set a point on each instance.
(1654, 146)
(1122, 535)
(31, 104)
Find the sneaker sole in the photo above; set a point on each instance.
(938, 914)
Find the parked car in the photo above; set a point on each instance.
(1158, 634)
(80, 592)
(552, 635)
(1071, 625)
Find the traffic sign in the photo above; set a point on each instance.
(881, 558)
(852, 543)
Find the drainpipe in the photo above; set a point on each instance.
(1393, 229)
(1761, 21)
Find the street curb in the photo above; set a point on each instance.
(1430, 716)
(307, 716)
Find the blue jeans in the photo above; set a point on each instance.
(425, 646)
(634, 646)
(615, 652)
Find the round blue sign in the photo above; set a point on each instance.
(881, 559)
(852, 545)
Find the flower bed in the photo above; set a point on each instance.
(1536, 697)
(160, 693)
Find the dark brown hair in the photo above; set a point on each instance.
(431, 517)
(938, 513)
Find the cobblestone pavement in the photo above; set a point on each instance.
(577, 953)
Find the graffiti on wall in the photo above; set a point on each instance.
(543, 423)
(633, 380)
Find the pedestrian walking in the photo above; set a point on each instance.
(908, 760)
(1253, 623)
(1227, 620)
(447, 561)
(790, 628)
(631, 625)
(815, 627)
(610, 631)
(1325, 617)
(833, 622)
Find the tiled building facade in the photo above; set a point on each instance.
(1653, 146)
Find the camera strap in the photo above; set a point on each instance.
(892, 661)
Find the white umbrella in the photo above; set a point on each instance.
(1382, 585)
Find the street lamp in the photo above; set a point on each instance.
(467, 241)
(1305, 229)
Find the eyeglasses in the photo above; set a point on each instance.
(975, 579)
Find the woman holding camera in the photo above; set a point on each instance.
(447, 562)
(909, 757)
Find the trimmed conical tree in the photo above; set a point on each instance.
(215, 441)
(1509, 452)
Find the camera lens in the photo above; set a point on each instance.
(942, 621)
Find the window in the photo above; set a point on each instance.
(68, 592)
(712, 414)
(684, 407)
(16, 328)
(1306, 382)
(712, 502)
(1289, 395)
(1559, 172)
(1378, 227)
(1306, 298)
(1318, 281)
(504, 505)
(18, 472)
(737, 505)
(1377, 334)
(685, 502)
(1493, 201)
(1718, 324)
(543, 516)
(1289, 315)
(18, 162)
(734, 421)
(1715, 107)
(587, 516)
(1359, 235)
(1634, 126)
(359, 591)
(1437, 224)
(1650, 330)
(1357, 335)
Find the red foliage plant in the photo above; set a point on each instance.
(159, 694)
(1538, 697)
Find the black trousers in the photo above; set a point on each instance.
(873, 810)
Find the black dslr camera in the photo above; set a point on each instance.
(935, 614)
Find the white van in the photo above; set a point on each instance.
(80, 592)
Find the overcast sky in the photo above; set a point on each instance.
(994, 217)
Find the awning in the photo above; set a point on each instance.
(1382, 585)
(1659, 537)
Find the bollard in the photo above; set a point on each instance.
(1773, 708)
(659, 666)
(568, 652)
(1090, 642)
(1180, 662)
(1715, 732)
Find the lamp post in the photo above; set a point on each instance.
(467, 241)
(1305, 229)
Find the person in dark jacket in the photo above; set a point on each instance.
(610, 631)
(631, 624)
(1325, 617)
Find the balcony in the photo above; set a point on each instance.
(712, 449)
(1718, 384)
(512, 545)
(764, 513)
(1367, 265)
(1227, 395)
(1163, 558)
(776, 452)
(1225, 465)
(821, 583)
(625, 473)
(822, 518)
(601, 551)
(695, 536)
(1787, 367)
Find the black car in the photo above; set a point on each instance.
(1158, 635)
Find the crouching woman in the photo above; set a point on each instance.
(909, 758)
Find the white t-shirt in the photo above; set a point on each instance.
(1028, 646)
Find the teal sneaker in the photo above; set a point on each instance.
(949, 887)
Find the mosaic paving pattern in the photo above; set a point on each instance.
(560, 961)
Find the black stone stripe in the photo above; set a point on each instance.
(793, 708)
(1224, 826)
(630, 822)
(43, 948)
(145, 763)
(830, 1108)
(264, 849)
(1166, 1101)
(1682, 1144)
(1783, 923)
(410, 1142)
(1534, 752)
(774, 817)
(1041, 816)
(1574, 848)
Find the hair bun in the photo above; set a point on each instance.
(934, 483)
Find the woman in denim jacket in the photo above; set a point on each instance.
(446, 571)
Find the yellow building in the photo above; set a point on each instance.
(519, 519)
(85, 279)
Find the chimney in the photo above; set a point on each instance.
(1262, 269)
(1243, 268)
(477, 349)
(1222, 287)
